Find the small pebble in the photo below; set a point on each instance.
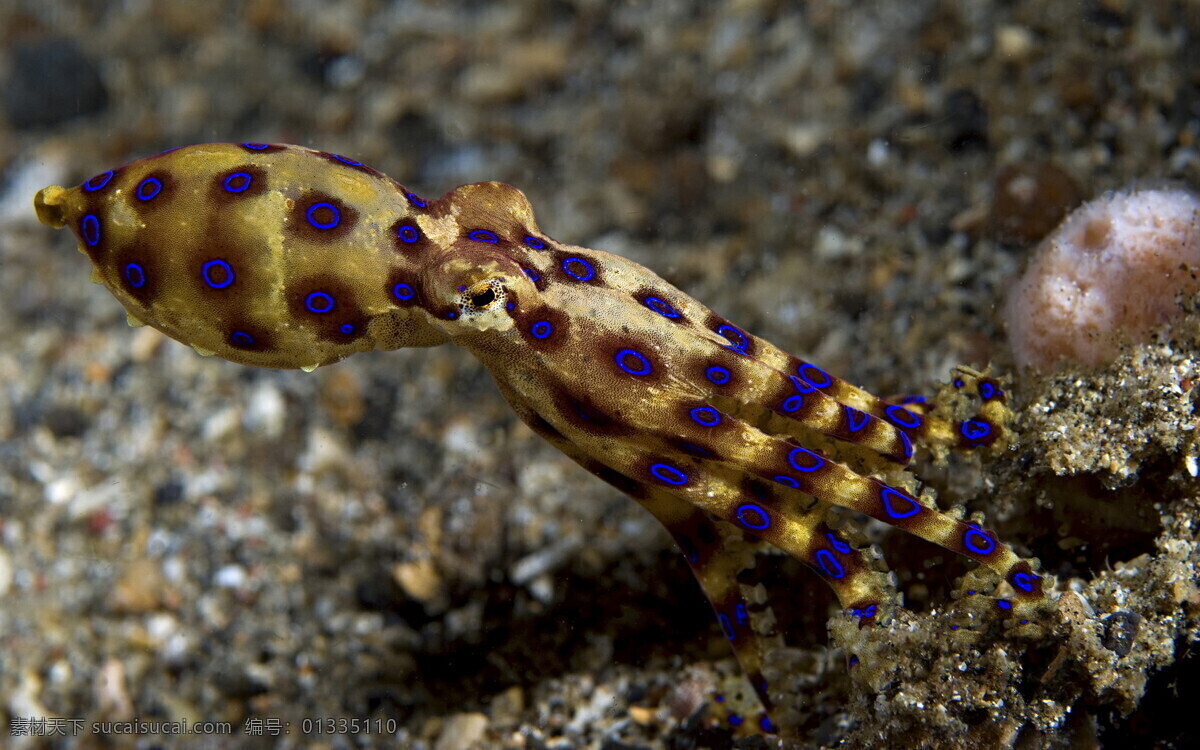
(1014, 43)
(266, 411)
(6, 572)
(111, 694)
(1120, 631)
(1030, 199)
(461, 731)
(140, 589)
(230, 577)
(419, 579)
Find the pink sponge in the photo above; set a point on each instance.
(1109, 275)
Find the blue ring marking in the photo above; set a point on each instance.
(587, 274)
(337, 215)
(706, 416)
(255, 145)
(104, 178)
(624, 353)
(153, 183)
(408, 233)
(717, 375)
(135, 275)
(169, 150)
(737, 339)
(865, 612)
(958, 383)
(829, 564)
(207, 269)
(451, 316)
(532, 274)
(764, 517)
(89, 227)
(987, 391)
(541, 329)
(582, 413)
(1004, 604)
(726, 626)
(792, 403)
(344, 160)
(347, 328)
(735, 720)
(804, 372)
(242, 339)
(902, 417)
(740, 615)
(534, 242)
(908, 446)
(913, 509)
(954, 627)
(416, 200)
(854, 661)
(805, 452)
(319, 302)
(802, 385)
(510, 305)
(856, 419)
(243, 182)
(694, 450)
(978, 542)
(838, 544)
(483, 235)
(403, 292)
(766, 724)
(1024, 581)
(668, 474)
(913, 400)
(787, 481)
(661, 307)
(462, 288)
(973, 429)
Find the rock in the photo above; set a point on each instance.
(52, 81)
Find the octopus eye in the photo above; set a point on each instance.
(484, 298)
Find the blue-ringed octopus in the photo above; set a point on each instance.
(280, 256)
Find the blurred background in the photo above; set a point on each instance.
(183, 538)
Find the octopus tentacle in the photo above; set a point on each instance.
(713, 562)
(802, 471)
(716, 565)
(790, 404)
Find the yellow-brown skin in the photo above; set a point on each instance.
(280, 256)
